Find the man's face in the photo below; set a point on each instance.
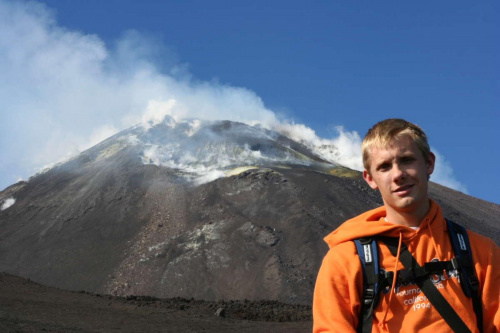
(401, 173)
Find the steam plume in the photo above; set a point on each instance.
(7, 203)
(63, 91)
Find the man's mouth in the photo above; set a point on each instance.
(403, 189)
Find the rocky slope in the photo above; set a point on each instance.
(212, 211)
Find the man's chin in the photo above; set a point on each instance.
(406, 204)
(410, 204)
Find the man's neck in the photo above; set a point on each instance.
(411, 218)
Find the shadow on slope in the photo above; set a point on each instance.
(26, 306)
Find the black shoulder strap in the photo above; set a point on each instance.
(368, 255)
(469, 281)
(374, 280)
(425, 284)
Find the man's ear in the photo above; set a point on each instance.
(369, 179)
(431, 161)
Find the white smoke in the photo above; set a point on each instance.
(349, 148)
(343, 149)
(215, 161)
(7, 203)
(99, 134)
(157, 112)
(63, 91)
(194, 126)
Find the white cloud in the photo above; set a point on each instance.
(443, 174)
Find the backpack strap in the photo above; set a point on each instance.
(470, 283)
(373, 281)
(427, 286)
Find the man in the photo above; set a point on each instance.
(398, 162)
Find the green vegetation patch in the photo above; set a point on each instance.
(344, 172)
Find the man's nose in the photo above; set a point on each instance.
(398, 173)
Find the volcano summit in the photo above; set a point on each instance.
(210, 210)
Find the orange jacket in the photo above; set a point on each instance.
(339, 285)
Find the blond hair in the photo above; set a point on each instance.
(383, 133)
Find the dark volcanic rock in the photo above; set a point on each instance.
(256, 236)
(26, 306)
(108, 221)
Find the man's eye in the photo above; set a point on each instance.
(384, 167)
(407, 159)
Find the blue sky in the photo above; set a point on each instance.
(320, 64)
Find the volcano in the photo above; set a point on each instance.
(193, 209)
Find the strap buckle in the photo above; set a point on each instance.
(458, 263)
(369, 296)
(455, 263)
(474, 283)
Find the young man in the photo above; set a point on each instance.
(398, 162)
